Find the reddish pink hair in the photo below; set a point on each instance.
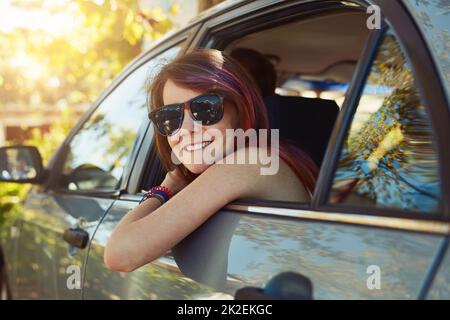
(208, 69)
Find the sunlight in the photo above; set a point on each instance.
(56, 24)
(31, 68)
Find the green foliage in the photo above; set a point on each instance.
(67, 69)
(48, 142)
(73, 67)
(11, 194)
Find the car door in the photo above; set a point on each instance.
(377, 225)
(87, 175)
(435, 27)
(382, 248)
(162, 278)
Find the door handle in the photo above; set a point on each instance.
(77, 237)
(286, 286)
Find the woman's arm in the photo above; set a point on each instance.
(149, 230)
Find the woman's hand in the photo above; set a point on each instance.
(175, 181)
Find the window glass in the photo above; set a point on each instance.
(433, 18)
(389, 156)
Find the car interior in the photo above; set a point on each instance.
(324, 47)
(314, 59)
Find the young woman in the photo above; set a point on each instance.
(210, 87)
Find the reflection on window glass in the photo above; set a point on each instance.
(99, 151)
(433, 18)
(17, 164)
(389, 158)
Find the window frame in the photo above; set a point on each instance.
(55, 166)
(432, 94)
(221, 30)
(141, 164)
(251, 18)
(255, 14)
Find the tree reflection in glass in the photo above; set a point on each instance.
(388, 157)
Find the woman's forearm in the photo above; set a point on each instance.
(150, 230)
(139, 212)
(115, 256)
(125, 240)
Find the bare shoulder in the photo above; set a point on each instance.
(236, 172)
(259, 175)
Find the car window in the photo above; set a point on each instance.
(310, 82)
(98, 152)
(389, 157)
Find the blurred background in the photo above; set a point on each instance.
(56, 57)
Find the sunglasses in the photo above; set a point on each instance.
(207, 109)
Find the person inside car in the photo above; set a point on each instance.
(259, 67)
(195, 101)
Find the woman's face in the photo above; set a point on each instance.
(198, 147)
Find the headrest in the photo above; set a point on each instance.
(307, 122)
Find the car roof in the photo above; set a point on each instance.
(218, 8)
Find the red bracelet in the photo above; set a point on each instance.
(164, 189)
(162, 193)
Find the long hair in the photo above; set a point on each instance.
(209, 69)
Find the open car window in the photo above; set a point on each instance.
(313, 75)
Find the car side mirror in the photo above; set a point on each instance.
(20, 164)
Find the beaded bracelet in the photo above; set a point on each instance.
(163, 194)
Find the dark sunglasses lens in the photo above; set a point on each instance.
(207, 109)
(167, 119)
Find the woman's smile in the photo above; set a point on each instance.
(196, 146)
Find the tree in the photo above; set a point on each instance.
(63, 70)
(73, 67)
